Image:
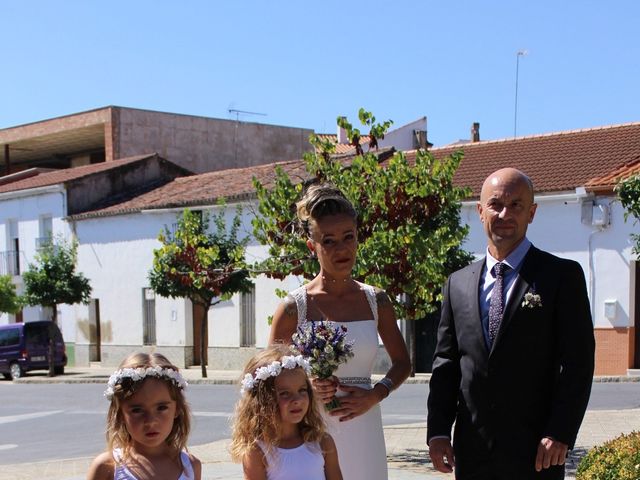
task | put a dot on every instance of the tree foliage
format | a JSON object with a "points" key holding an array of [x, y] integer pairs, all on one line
{"points": [[617, 459], [205, 267], [628, 191], [9, 299], [409, 228], [53, 279]]}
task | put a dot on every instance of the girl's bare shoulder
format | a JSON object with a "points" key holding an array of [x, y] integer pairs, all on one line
{"points": [[102, 467], [326, 443], [196, 464]]}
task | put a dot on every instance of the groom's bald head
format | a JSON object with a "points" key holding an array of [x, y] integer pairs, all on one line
{"points": [[511, 177], [506, 209]]}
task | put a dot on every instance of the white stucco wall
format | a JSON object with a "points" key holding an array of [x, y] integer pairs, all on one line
{"points": [[116, 254], [26, 208], [403, 138]]}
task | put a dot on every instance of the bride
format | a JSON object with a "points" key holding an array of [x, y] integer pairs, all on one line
{"points": [[329, 221]]}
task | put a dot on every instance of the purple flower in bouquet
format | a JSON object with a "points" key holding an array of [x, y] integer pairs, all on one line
{"points": [[325, 346]]}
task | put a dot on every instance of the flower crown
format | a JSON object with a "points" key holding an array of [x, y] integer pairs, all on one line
{"points": [[139, 374], [273, 370]]}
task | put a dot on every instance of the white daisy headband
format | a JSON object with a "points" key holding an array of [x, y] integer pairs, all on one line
{"points": [[138, 374], [273, 370]]}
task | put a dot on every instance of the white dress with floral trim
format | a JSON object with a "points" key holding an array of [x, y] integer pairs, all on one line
{"points": [[360, 441]]}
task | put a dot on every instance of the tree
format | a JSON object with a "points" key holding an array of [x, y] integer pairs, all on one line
{"points": [[9, 299], [205, 267], [409, 218], [53, 280], [628, 191]]}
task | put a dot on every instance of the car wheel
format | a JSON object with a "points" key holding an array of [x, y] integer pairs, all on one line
{"points": [[7, 376], [59, 370], [15, 370]]}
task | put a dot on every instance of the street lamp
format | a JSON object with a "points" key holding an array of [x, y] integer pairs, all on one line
{"points": [[519, 53]]}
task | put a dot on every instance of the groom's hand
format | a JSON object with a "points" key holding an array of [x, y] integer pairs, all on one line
{"points": [[550, 452], [439, 450]]}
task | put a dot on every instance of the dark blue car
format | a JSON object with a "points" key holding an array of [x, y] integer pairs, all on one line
{"points": [[25, 347]]}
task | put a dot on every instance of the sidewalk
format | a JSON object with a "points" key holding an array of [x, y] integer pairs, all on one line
{"points": [[406, 450]]}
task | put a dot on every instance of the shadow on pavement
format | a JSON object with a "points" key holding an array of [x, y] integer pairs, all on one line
{"points": [[573, 460]]}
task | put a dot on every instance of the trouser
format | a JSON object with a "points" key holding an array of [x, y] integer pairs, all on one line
{"points": [[495, 472]]}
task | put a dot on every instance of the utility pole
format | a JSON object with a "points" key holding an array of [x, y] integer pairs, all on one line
{"points": [[519, 53]]}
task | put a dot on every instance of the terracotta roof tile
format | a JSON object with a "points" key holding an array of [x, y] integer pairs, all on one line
{"points": [[606, 183], [207, 188], [65, 175], [555, 162], [203, 189], [342, 148]]}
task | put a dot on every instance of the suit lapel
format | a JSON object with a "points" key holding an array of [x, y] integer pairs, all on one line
{"points": [[473, 295], [520, 287]]}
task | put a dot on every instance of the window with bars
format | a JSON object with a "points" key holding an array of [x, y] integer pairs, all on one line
{"points": [[248, 318], [45, 231], [13, 249]]}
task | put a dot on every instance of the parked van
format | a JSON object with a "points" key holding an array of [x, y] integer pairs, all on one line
{"points": [[25, 347]]}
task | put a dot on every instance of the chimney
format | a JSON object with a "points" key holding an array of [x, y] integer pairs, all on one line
{"points": [[342, 135], [475, 132], [420, 140]]}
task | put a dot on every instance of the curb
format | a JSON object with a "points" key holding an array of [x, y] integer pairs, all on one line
{"points": [[88, 377]]}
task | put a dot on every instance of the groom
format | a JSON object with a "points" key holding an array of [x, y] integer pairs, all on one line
{"points": [[514, 360]]}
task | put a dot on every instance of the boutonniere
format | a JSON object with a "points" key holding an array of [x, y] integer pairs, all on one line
{"points": [[531, 299]]}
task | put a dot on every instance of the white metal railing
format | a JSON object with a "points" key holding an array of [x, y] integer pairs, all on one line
{"points": [[10, 262]]}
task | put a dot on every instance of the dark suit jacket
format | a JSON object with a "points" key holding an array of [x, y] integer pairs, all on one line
{"points": [[535, 381]]}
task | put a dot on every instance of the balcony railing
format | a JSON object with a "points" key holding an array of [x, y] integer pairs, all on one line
{"points": [[10, 262]]}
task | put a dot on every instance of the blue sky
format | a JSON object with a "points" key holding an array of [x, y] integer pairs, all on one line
{"points": [[303, 63]]}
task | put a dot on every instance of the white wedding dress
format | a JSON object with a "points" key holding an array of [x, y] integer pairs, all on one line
{"points": [[360, 441]]}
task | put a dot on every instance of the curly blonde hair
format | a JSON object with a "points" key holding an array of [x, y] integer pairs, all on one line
{"points": [[256, 416], [117, 434], [321, 200]]}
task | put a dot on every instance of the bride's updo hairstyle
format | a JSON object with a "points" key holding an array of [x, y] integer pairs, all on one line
{"points": [[322, 200]]}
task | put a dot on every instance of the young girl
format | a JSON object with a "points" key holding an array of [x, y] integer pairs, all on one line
{"points": [[278, 433], [147, 423]]}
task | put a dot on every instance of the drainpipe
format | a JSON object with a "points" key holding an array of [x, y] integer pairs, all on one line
{"points": [[592, 281], [606, 215]]}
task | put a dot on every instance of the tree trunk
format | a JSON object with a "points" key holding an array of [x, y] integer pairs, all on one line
{"points": [[203, 340], [411, 330], [52, 344]]}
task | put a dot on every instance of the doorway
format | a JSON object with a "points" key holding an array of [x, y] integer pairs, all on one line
{"points": [[94, 330], [426, 333]]}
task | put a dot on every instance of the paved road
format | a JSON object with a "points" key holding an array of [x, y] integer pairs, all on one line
{"points": [[67, 420]]}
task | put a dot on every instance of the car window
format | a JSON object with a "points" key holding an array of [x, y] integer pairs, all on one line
{"points": [[9, 337], [36, 335]]}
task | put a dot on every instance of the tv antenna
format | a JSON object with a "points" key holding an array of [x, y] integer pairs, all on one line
{"points": [[244, 112]]}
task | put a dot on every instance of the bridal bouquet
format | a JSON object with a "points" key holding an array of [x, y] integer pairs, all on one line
{"points": [[325, 346]]}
